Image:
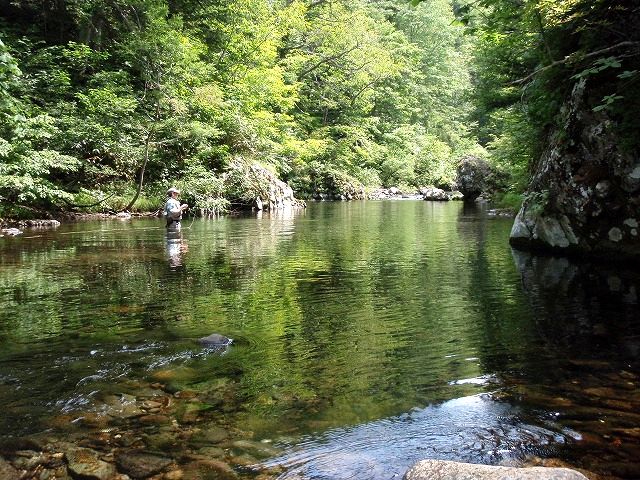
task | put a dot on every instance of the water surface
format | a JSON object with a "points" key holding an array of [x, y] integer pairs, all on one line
{"points": [[367, 335]]}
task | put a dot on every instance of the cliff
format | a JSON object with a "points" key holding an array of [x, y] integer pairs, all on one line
{"points": [[584, 197]]}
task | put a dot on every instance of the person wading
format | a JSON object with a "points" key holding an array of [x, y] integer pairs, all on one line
{"points": [[173, 210]]}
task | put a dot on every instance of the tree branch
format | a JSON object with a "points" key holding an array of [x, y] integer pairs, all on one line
{"points": [[574, 57], [327, 59]]}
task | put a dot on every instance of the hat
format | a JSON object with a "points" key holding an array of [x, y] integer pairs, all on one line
{"points": [[172, 190]]}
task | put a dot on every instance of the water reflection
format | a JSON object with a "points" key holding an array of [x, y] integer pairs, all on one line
{"points": [[353, 321], [583, 308], [176, 247]]}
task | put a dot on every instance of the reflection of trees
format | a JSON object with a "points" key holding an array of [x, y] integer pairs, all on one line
{"points": [[492, 286], [348, 314]]}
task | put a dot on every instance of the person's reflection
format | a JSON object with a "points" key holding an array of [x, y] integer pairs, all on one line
{"points": [[176, 248]]}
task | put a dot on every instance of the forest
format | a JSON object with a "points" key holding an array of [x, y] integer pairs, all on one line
{"points": [[106, 103]]}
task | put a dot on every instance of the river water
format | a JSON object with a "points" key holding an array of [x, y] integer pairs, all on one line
{"points": [[366, 336]]}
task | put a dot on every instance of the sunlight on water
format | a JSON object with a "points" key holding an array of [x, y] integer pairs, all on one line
{"points": [[475, 429]]}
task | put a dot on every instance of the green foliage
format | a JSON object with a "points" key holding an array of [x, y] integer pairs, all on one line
{"points": [[331, 96], [509, 200], [530, 56], [205, 192]]}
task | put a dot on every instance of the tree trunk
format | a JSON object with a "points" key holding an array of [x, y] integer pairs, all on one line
{"points": [[142, 169]]}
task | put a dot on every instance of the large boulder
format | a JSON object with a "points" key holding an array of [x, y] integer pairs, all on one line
{"points": [[434, 194], [585, 193], [447, 470], [251, 184], [472, 176]]}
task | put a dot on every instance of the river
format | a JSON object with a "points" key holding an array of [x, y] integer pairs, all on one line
{"points": [[366, 336]]}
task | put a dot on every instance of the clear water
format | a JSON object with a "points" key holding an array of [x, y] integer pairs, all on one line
{"points": [[367, 336]]}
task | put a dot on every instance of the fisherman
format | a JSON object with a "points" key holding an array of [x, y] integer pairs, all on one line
{"points": [[173, 210]]}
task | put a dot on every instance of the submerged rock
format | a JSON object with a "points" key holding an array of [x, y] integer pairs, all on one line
{"points": [[447, 470], [141, 465], [85, 463], [7, 471], [215, 340], [209, 468]]}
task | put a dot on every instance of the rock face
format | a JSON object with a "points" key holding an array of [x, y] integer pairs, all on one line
{"points": [[472, 176], [585, 193], [254, 185], [446, 470]]}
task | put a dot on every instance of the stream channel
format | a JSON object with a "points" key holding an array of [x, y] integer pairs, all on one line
{"points": [[366, 336]]}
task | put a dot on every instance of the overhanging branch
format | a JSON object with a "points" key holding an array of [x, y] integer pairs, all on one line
{"points": [[574, 57]]}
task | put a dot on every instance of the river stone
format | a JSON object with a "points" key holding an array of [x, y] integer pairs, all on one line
{"points": [[447, 470], [209, 469], [615, 234], [256, 449], [215, 340], [7, 472], [209, 435], [434, 194], [141, 465], [84, 463]]}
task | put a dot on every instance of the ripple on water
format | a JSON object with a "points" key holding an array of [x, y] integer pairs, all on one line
{"points": [[473, 429]]}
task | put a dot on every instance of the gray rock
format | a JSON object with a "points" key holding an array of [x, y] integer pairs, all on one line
{"points": [[615, 234], [40, 223], [85, 463], [472, 176], [631, 182], [522, 227], [434, 194], [550, 231], [602, 188], [547, 230], [215, 340], [141, 465], [447, 470]]}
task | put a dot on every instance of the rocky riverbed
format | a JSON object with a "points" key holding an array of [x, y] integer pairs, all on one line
{"points": [[157, 433]]}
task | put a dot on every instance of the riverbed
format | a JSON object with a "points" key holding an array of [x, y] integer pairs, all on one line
{"points": [[366, 336]]}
